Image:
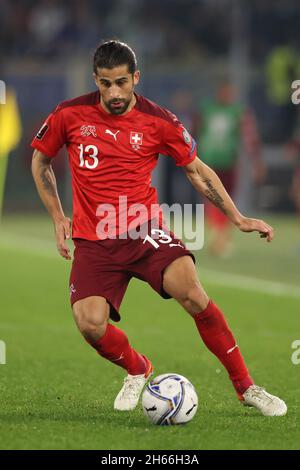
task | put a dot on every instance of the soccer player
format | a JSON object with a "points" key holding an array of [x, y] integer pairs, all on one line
{"points": [[223, 124], [292, 153], [114, 137]]}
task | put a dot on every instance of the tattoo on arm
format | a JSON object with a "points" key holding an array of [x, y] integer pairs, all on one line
{"points": [[212, 194], [48, 179]]}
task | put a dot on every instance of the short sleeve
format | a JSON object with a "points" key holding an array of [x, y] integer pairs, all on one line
{"points": [[51, 136], [178, 143]]}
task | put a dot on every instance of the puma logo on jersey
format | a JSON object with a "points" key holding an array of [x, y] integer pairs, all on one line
{"points": [[107, 131]]}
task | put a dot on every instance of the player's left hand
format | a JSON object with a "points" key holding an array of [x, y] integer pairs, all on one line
{"points": [[256, 225]]}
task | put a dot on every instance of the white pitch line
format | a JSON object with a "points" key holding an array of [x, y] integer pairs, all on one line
{"points": [[238, 281], [46, 248]]}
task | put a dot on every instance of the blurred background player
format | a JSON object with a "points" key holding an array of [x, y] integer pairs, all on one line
{"points": [[292, 153], [223, 124], [176, 187]]}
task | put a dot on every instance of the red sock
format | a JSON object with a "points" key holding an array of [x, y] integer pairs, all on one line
{"points": [[217, 336], [115, 347]]}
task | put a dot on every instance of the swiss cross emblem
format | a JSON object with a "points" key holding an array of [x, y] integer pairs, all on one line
{"points": [[136, 139]]}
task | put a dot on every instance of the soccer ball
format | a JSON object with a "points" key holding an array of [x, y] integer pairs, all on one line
{"points": [[170, 399]]}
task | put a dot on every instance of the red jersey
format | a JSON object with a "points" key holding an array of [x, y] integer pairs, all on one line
{"points": [[112, 156]]}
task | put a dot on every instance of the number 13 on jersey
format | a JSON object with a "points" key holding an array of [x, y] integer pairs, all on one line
{"points": [[86, 153]]}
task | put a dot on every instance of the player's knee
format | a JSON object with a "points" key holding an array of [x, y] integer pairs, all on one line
{"points": [[195, 298], [91, 321], [91, 330]]}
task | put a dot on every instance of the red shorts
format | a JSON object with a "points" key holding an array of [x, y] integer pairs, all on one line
{"points": [[105, 267]]}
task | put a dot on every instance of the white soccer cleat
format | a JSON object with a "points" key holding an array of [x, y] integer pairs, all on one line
{"points": [[267, 404], [128, 397]]}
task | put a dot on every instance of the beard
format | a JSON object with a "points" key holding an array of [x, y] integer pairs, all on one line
{"points": [[116, 106]]}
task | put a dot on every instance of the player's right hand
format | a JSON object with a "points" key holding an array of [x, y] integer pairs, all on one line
{"points": [[63, 233]]}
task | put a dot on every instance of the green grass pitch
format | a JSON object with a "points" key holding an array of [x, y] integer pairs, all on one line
{"points": [[57, 393]]}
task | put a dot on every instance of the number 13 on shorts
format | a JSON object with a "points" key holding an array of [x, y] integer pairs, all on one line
{"points": [[162, 238]]}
